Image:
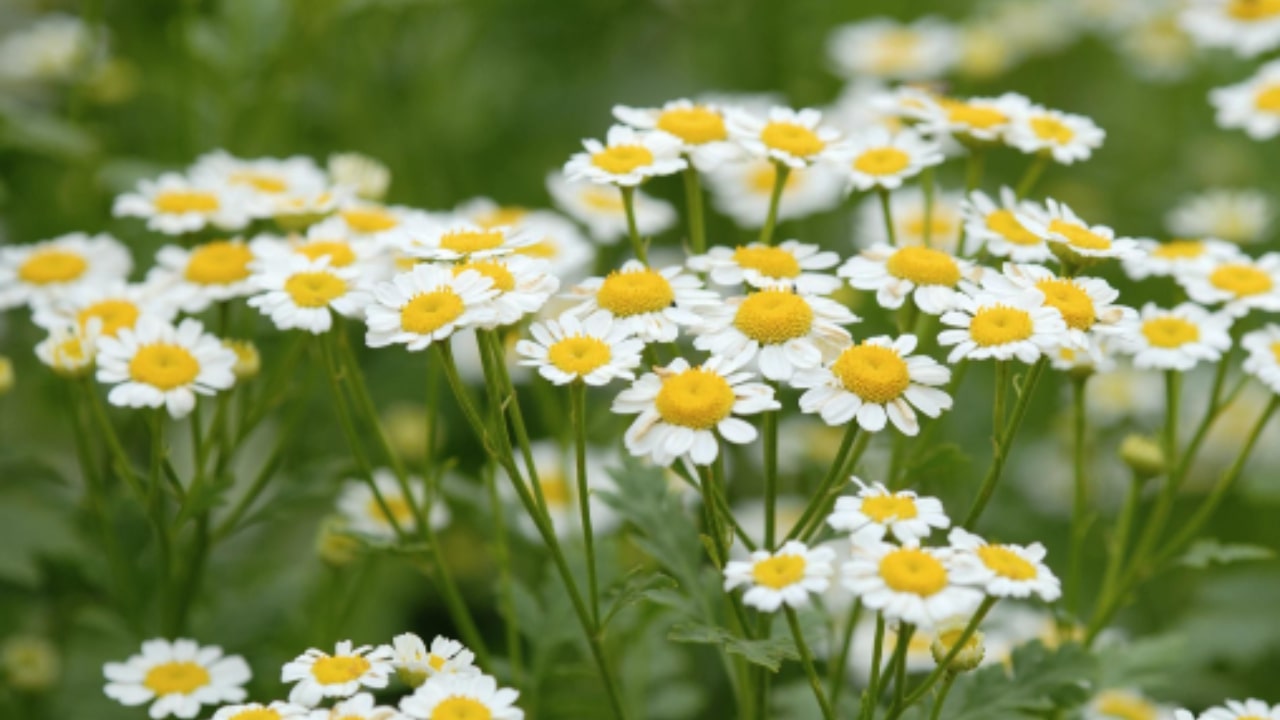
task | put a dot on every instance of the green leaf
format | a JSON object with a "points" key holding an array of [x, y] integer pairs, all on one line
{"points": [[659, 518], [1211, 552], [640, 584], [1145, 662], [767, 653], [1040, 681]]}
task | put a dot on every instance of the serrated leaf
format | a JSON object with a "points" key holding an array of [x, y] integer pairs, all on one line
{"points": [[1211, 552], [767, 653], [1039, 681], [639, 585]]}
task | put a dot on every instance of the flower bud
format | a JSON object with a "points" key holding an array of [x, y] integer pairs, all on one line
{"points": [[248, 362], [29, 663], [969, 657], [368, 177], [1143, 455], [6, 374], [407, 427], [334, 546]]}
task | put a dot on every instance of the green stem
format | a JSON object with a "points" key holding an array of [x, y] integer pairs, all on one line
{"points": [[1002, 445], [770, 474], [1119, 543], [831, 485], [781, 172], [826, 502], [628, 205], [1080, 506], [888, 217], [578, 418], [120, 459], [1032, 174], [839, 670], [973, 169], [156, 509], [942, 696], [1002, 398], [693, 200], [872, 693], [938, 672], [928, 181], [806, 659], [899, 662], [502, 553]]}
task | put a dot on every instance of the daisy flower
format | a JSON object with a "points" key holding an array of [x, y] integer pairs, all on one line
{"points": [[909, 584], [320, 675], [55, 47], [454, 240], [427, 304], [601, 210], [156, 364], [212, 272], [69, 350], [1241, 285], [1242, 710], [700, 128], [594, 349], [1003, 570], [257, 711], [1263, 346], [1087, 304], [686, 411], [877, 158], [875, 382], [48, 269], [1117, 704], [1242, 217], [550, 236], [269, 178], [627, 157], [742, 190], [359, 707], [377, 224], [523, 286], [177, 678], [330, 238], [929, 276], [907, 209], [1002, 327], [366, 176], [649, 303], [445, 656], [877, 511], [1250, 27], [365, 516], [790, 262], [1178, 339], [1178, 257], [997, 228], [888, 49], [108, 306], [1066, 137], [784, 331], [981, 119], [795, 138], [786, 577], [557, 481], [174, 205], [302, 294], [462, 696], [1072, 237], [1253, 105]]}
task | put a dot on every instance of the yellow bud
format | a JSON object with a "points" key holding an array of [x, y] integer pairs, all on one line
{"points": [[1143, 455], [248, 362], [334, 546], [407, 426], [969, 657]]}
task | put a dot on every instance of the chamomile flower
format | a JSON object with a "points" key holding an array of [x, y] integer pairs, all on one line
{"points": [[997, 228], [601, 210], [414, 662], [1240, 285], [269, 178], [1072, 238], [453, 240], [366, 515], [211, 272], [885, 48], [302, 294], [594, 349], [427, 304], [789, 263], [627, 157], [686, 411], [257, 711], [177, 678], [359, 707], [366, 176], [782, 330], [1263, 362], [69, 350], [320, 675], [523, 286], [1064, 136], [111, 306], [1250, 709], [1178, 339], [1119, 704], [1249, 27], [55, 47], [1178, 257], [1087, 304], [649, 303], [174, 204], [378, 224], [911, 221], [700, 128], [742, 190], [1242, 217], [909, 583], [878, 158], [558, 484], [1002, 327], [876, 382], [877, 511], [155, 364], [1253, 105], [930, 277], [975, 119], [796, 138], [785, 577], [549, 235], [329, 238], [455, 697], [49, 269], [1003, 570]]}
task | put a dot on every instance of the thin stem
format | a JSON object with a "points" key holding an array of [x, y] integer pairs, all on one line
{"points": [[872, 693], [973, 169], [693, 200], [1001, 399], [942, 696], [578, 418], [825, 502], [502, 553], [124, 468], [1032, 174], [832, 484], [156, 508], [781, 172], [942, 669], [888, 217], [628, 204], [839, 669], [770, 474], [1120, 540], [899, 662], [1002, 445], [1080, 506], [928, 181], [806, 659]]}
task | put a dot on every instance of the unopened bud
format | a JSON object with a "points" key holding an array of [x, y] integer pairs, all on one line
{"points": [[334, 545], [970, 655], [366, 176], [1143, 455], [29, 663], [248, 362]]}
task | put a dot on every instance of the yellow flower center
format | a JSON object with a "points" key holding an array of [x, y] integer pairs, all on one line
{"points": [[399, 507], [948, 639], [314, 289], [1123, 706], [501, 216], [982, 117], [502, 278], [256, 714], [894, 50], [1069, 299], [763, 178], [882, 161], [368, 219], [469, 241], [1079, 236], [770, 262], [911, 570], [1179, 250], [436, 662], [999, 325], [791, 138], [1268, 99], [177, 202], [1241, 280], [579, 355], [545, 249], [430, 311], [884, 508], [461, 708], [695, 398], [44, 267], [1006, 563], [261, 182], [874, 373], [339, 669], [1052, 129], [635, 292], [1275, 351], [164, 365], [695, 125], [924, 266], [942, 224], [772, 317], [70, 353], [1170, 332], [1251, 10], [779, 571], [114, 315], [556, 490], [176, 677], [622, 159], [339, 253], [1006, 224], [598, 198], [221, 262]]}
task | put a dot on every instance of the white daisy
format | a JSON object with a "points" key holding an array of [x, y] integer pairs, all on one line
{"points": [[297, 293], [365, 516], [1065, 136], [49, 269], [212, 272], [550, 236], [330, 238], [257, 711], [1263, 346], [359, 707], [785, 577], [981, 119], [788, 263], [909, 583], [1241, 285], [366, 176], [523, 283], [1087, 304], [69, 350], [110, 306], [269, 178], [1004, 327], [649, 303], [782, 330], [1122, 704], [1177, 257], [377, 224], [1071, 237], [1250, 709], [931, 277], [427, 304], [885, 48], [177, 678], [1253, 105], [557, 479], [320, 675], [877, 158], [156, 364], [1242, 217], [700, 128], [174, 205], [453, 239], [997, 228], [876, 512], [742, 190], [462, 697], [55, 47], [627, 157], [795, 138], [1250, 27], [1178, 339], [907, 208], [686, 411], [445, 656], [601, 210], [1002, 570], [594, 349], [863, 103]]}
